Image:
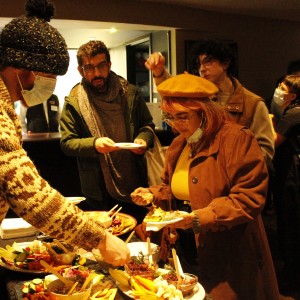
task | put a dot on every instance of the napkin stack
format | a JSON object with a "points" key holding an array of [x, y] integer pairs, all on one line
{"points": [[16, 227]]}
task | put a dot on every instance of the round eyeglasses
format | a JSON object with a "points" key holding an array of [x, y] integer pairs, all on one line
{"points": [[178, 120], [91, 69]]}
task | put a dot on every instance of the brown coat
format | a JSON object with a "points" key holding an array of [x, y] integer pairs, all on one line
{"points": [[228, 183], [249, 110]]}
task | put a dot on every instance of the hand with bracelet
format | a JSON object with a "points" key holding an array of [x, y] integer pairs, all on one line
{"points": [[190, 220]]}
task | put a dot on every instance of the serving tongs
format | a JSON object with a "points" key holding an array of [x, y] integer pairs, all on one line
{"points": [[115, 213], [72, 289], [178, 268], [49, 248], [112, 209], [150, 257], [68, 283], [61, 246], [87, 281]]}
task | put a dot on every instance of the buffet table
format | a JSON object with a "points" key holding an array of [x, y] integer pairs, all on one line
{"points": [[62, 173], [11, 281]]}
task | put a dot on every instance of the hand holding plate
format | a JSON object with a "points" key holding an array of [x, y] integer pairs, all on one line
{"points": [[143, 147], [105, 145], [185, 223]]}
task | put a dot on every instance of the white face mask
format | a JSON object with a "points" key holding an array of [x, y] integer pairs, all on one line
{"points": [[42, 89], [196, 136], [278, 96]]}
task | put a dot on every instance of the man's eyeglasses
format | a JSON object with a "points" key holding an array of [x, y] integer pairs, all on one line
{"points": [[91, 69], [178, 120]]}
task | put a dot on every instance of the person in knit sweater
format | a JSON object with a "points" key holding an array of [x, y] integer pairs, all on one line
{"points": [[32, 54]]}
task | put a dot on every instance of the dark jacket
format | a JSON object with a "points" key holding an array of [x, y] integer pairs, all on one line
{"points": [[36, 118], [286, 187], [77, 141]]}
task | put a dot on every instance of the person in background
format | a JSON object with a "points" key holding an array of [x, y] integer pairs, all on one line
{"points": [[217, 168], [216, 63], [43, 117], [275, 108], [286, 187], [100, 111], [32, 55]]}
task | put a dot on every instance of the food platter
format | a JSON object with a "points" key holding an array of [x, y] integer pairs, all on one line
{"points": [[22, 245], [127, 222], [128, 145], [16, 269], [26, 257], [18, 286], [197, 294]]}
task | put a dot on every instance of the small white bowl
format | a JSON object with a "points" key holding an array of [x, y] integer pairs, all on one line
{"points": [[52, 286], [104, 219], [188, 284], [136, 248]]}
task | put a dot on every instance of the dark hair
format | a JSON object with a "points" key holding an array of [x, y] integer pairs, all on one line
{"points": [[293, 67], [293, 83], [91, 49], [215, 49]]}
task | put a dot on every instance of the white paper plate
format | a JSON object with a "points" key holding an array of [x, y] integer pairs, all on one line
{"points": [[75, 200], [166, 222], [128, 145]]}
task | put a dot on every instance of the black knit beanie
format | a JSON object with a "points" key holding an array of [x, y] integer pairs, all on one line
{"points": [[29, 42]]}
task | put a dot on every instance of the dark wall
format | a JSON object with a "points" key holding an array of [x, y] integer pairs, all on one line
{"points": [[265, 46]]}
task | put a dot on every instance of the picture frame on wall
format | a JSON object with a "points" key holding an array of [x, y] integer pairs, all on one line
{"points": [[192, 48]]}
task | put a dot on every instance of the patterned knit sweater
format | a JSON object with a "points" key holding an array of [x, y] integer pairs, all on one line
{"points": [[29, 195]]}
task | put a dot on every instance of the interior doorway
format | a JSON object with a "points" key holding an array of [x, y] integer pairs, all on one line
{"points": [[137, 74]]}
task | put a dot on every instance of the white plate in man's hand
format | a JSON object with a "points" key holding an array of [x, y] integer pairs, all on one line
{"points": [[128, 145]]}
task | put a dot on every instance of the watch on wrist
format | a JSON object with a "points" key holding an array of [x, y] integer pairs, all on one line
{"points": [[196, 223]]}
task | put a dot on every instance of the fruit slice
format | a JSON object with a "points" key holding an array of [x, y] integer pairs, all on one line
{"points": [[120, 276]]}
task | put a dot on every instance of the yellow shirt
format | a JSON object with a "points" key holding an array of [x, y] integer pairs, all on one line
{"points": [[180, 182]]}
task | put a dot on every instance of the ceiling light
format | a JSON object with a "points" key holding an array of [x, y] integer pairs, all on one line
{"points": [[113, 30]]}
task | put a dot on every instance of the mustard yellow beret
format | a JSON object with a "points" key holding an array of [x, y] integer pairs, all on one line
{"points": [[187, 86]]}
